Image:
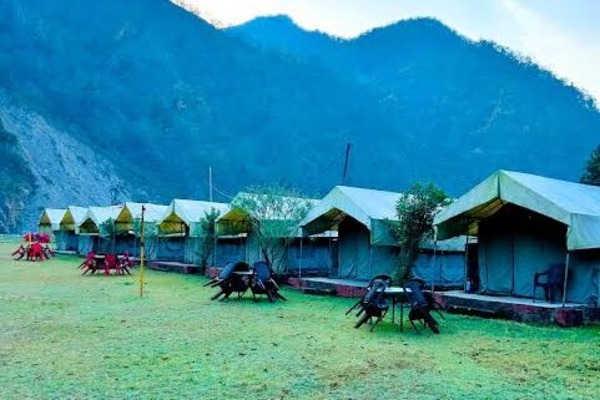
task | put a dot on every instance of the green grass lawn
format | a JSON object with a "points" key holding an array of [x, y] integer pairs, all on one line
{"points": [[67, 336]]}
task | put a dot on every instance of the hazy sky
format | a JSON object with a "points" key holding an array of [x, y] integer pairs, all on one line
{"points": [[561, 35]]}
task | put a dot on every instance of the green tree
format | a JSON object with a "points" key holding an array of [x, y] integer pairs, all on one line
{"points": [[273, 215], [591, 175], [209, 235], [107, 230], [415, 211]]}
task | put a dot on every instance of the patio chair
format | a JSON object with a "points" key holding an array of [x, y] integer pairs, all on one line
{"points": [[431, 301], [35, 252], [373, 304], [230, 282], [89, 263], [262, 282], [127, 261], [385, 278], [86, 261], [111, 261], [20, 252], [48, 252], [553, 282], [420, 307], [223, 274]]}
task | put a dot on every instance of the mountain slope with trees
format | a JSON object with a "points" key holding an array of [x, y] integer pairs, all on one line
{"points": [[162, 95]]}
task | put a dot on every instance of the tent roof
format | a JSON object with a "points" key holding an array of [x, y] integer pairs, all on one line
{"points": [[153, 212], [573, 204], [364, 205], [74, 216], [190, 211], [98, 215], [52, 216]]}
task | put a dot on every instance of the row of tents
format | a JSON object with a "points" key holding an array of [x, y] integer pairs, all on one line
{"points": [[345, 235], [493, 239]]}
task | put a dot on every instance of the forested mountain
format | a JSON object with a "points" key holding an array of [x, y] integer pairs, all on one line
{"points": [[158, 95], [465, 107]]}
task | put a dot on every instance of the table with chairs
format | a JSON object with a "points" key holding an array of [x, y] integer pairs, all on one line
{"points": [[240, 277], [110, 263], [374, 304]]}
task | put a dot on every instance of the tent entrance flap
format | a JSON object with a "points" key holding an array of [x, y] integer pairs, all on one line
{"points": [[515, 244]]}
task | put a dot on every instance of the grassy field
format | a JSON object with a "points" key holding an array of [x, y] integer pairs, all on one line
{"points": [[67, 336]]}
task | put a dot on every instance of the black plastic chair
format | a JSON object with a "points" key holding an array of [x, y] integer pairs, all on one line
{"points": [[420, 308], [263, 282], [431, 301], [384, 278], [553, 282], [229, 282], [373, 304], [225, 273]]}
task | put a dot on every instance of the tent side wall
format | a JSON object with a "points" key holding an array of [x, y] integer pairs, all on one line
{"points": [[87, 243], [516, 243], [230, 250], [170, 248], [45, 228], [584, 274], [448, 271], [313, 254], [357, 258], [66, 240], [61, 240]]}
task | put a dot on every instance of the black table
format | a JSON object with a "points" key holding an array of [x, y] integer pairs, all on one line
{"points": [[398, 296]]}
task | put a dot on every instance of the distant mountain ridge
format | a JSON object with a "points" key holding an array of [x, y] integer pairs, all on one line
{"points": [[160, 95], [455, 100]]}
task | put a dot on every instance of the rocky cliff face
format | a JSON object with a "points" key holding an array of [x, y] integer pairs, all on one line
{"points": [[58, 170]]}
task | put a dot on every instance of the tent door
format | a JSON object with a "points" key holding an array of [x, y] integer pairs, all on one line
{"points": [[472, 261]]}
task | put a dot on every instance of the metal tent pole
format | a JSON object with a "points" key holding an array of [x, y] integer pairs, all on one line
{"points": [[564, 299], [214, 252], [301, 255], [433, 266], [466, 269], [142, 253]]}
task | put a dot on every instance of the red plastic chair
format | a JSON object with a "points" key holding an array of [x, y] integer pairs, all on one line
{"points": [[44, 238], [89, 263], [128, 262], [48, 252], [20, 252], [111, 262], [36, 252]]}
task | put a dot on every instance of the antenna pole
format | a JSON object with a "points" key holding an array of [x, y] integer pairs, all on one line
{"points": [[346, 163], [210, 185]]}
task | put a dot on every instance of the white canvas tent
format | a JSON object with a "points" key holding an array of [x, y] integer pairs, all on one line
{"points": [[180, 232], [97, 229], [50, 220], [366, 247], [525, 222], [67, 237], [128, 228]]}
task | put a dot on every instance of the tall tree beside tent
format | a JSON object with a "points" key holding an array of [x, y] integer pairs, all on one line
{"points": [[209, 235], [273, 215], [415, 210], [591, 175]]}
